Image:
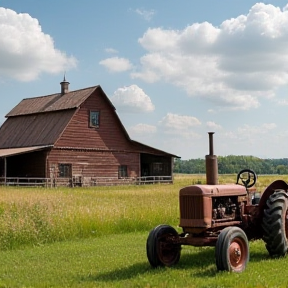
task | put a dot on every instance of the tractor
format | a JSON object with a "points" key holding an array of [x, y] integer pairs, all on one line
{"points": [[226, 216]]}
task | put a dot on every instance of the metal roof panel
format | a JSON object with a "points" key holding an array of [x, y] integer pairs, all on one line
{"points": [[51, 103]]}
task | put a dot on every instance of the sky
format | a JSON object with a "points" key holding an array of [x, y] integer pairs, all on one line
{"points": [[174, 69]]}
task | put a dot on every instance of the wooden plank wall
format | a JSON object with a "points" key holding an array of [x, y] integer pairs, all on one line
{"points": [[93, 163]]}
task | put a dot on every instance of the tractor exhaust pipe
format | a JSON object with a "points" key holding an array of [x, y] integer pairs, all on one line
{"points": [[211, 163]]}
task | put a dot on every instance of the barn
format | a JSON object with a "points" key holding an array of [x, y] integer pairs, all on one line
{"points": [[75, 138]]}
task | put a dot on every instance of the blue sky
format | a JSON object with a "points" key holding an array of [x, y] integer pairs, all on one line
{"points": [[174, 70]]}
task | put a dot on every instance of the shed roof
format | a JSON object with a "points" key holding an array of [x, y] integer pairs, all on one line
{"points": [[143, 148], [22, 150]]}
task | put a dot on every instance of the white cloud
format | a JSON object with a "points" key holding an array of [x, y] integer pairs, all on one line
{"points": [[251, 132], [146, 14], [116, 64], [111, 50], [132, 99], [233, 66], [213, 126], [249, 139], [254, 130], [269, 126], [179, 122], [143, 129], [182, 134], [25, 51]]}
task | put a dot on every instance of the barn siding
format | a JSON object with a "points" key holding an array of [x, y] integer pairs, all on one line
{"points": [[93, 163]]}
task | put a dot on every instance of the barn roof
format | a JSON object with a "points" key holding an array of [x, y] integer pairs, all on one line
{"points": [[39, 121], [34, 129], [54, 102]]}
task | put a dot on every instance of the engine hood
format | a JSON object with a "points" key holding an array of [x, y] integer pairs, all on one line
{"points": [[214, 190]]}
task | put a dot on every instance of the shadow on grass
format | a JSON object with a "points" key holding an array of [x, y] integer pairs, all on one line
{"points": [[187, 261], [259, 256], [120, 273], [203, 261]]}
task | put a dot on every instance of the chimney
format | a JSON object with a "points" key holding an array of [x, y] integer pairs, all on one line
{"points": [[211, 163], [64, 86]]}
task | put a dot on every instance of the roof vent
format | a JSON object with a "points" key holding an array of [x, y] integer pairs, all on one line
{"points": [[64, 86]]}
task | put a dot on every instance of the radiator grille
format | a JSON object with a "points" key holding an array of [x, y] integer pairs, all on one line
{"points": [[191, 207]]}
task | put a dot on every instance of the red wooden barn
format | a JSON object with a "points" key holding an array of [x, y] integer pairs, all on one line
{"points": [[75, 138]]}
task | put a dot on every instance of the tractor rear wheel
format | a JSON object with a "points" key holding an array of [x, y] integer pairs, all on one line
{"points": [[275, 224], [160, 247], [232, 250]]}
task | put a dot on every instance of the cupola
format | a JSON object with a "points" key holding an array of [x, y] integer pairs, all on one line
{"points": [[64, 86]]}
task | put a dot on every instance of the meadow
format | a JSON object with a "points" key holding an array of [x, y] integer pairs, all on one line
{"points": [[96, 237]]}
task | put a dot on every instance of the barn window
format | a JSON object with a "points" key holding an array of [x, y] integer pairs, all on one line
{"points": [[122, 171], [94, 119], [65, 170]]}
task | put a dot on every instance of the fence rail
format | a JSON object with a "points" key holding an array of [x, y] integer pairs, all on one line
{"points": [[154, 179], [25, 181], [83, 181]]}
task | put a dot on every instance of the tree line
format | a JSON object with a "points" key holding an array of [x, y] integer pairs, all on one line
{"points": [[233, 164]]}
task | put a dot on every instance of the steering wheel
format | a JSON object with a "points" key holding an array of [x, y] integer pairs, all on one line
{"points": [[248, 177]]}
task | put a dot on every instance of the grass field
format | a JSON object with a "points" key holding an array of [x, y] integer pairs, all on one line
{"points": [[120, 261], [96, 237]]}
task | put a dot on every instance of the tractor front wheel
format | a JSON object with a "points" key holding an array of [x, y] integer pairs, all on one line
{"points": [[275, 224], [161, 247], [232, 250]]}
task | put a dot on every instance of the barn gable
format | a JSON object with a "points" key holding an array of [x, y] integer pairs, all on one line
{"points": [[108, 134]]}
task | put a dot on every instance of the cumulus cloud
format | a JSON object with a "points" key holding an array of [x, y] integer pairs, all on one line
{"points": [[116, 64], [250, 139], [249, 132], [213, 126], [143, 129], [254, 130], [179, 122], [233, 66], [132, 99], [25, 50], [111, 50]]}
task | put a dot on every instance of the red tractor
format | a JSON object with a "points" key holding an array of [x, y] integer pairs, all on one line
{"points": [[224, 216]]}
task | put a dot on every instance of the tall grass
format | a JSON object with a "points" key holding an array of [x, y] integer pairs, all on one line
{"points": [[37, 216], [34, 216]]}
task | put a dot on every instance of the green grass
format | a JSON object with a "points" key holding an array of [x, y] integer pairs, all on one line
{"points": [[120, 261], [96, 237]]}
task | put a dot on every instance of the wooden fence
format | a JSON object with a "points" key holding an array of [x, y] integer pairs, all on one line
{"points": [[82, 181], [25, 181]]}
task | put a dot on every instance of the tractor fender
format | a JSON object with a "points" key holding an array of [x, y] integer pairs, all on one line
{"points": [[273, 187]]}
